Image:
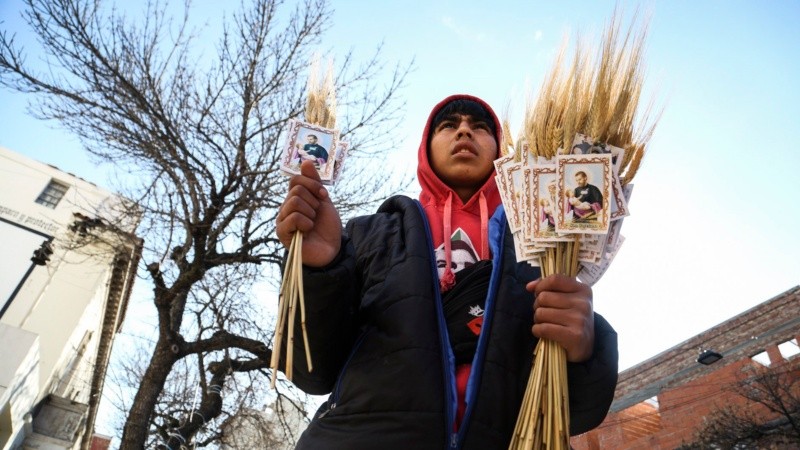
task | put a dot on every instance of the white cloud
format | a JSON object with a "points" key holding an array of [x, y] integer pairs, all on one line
{"points": [[537, 36]]}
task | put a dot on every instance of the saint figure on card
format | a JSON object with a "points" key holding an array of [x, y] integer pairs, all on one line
{"points": [[313, 151], [547, 205], [586, 200], [581, 148]]}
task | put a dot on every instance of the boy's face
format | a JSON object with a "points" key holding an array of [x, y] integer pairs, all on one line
{"points": [[462, 153]]}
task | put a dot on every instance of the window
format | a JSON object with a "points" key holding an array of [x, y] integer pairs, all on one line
{"points": [[52, 194], [652, 401], [762, 358], [789, 349]]}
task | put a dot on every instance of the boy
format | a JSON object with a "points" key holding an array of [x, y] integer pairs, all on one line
{"points": [[416, 355]]}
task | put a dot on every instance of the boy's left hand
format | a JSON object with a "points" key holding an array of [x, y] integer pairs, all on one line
{"points": [[563, 312]]}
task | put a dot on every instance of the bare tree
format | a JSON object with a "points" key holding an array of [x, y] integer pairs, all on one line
{"points": [[770, 417], [242, 401], [197, 140], [276, 428]]}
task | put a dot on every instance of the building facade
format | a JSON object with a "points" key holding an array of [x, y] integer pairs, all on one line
{"points": [[67, 272], [278, 427], [665, 401]]}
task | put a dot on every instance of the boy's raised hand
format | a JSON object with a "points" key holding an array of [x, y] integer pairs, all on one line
{"points": [[563, 312], [308, 208]]}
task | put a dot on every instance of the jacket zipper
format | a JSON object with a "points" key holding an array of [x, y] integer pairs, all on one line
{"points": [[331, 407], [334, 398], [448, 359], [476, 372]]}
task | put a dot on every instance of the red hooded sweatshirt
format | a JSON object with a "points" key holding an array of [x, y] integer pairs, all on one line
{"points": [[466, 224]]}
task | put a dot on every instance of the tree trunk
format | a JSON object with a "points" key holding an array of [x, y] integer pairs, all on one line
{"points": [[134, 436]]}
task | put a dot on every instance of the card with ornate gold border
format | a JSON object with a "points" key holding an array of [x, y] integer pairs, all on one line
{"points": [[305, 141], [584, 190]]}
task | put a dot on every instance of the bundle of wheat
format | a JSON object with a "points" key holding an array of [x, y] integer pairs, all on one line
{"points": [[320, 111], [586, 122]]}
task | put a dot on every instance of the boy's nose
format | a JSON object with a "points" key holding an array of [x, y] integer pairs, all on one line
{"points": [[464, 129]]}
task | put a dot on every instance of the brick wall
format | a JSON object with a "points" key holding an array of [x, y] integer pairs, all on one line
{"points": [[100, 442], [687, 391]]}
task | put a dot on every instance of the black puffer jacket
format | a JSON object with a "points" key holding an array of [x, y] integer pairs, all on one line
{"points": [[380, 345]]}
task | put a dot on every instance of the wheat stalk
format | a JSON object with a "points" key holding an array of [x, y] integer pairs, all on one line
{"points": [[320, 110], [597, 96], [543, 421]]}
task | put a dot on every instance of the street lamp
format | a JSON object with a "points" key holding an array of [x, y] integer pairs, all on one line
{"points": [[42, 254], [708, 356]]}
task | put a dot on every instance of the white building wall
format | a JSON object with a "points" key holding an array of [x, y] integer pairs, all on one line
{"points": [[68, 306], [277, 428], [62, 304], [76, 367], [19, 381]]}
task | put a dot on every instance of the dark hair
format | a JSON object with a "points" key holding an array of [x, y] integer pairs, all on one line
{"points": [[312, 135], [465, 107]]}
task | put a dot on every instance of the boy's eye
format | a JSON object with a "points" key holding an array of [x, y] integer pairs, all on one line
{"points": [[450, 123], [444, 126]]}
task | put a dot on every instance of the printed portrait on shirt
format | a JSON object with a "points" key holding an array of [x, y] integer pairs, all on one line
{"points": [[462, 251]]}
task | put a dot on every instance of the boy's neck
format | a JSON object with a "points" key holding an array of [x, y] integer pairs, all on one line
{"points": [[465, 193]]}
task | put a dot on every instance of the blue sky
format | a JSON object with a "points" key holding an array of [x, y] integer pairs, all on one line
{"points": [[712, 230], [714, 213]]}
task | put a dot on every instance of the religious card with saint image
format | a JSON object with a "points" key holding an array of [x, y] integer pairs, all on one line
{"points": [[619, 206], [514, 174], [586, 145], [591, 273], [526, 205], [626, 195], [591, 246], [500, 165], [519, 246], [583, 191], [338, 165], [308, 142], [544, 186]]}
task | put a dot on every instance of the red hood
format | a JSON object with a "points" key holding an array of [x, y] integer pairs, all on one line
{"points": [[434, 191], [445, 216]]}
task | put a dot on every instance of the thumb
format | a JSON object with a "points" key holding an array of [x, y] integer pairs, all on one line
{"points": [[307, 169], [531, 287]]}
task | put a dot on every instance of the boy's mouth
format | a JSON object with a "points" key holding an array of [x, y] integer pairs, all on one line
{"points": [[464, 148]]}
